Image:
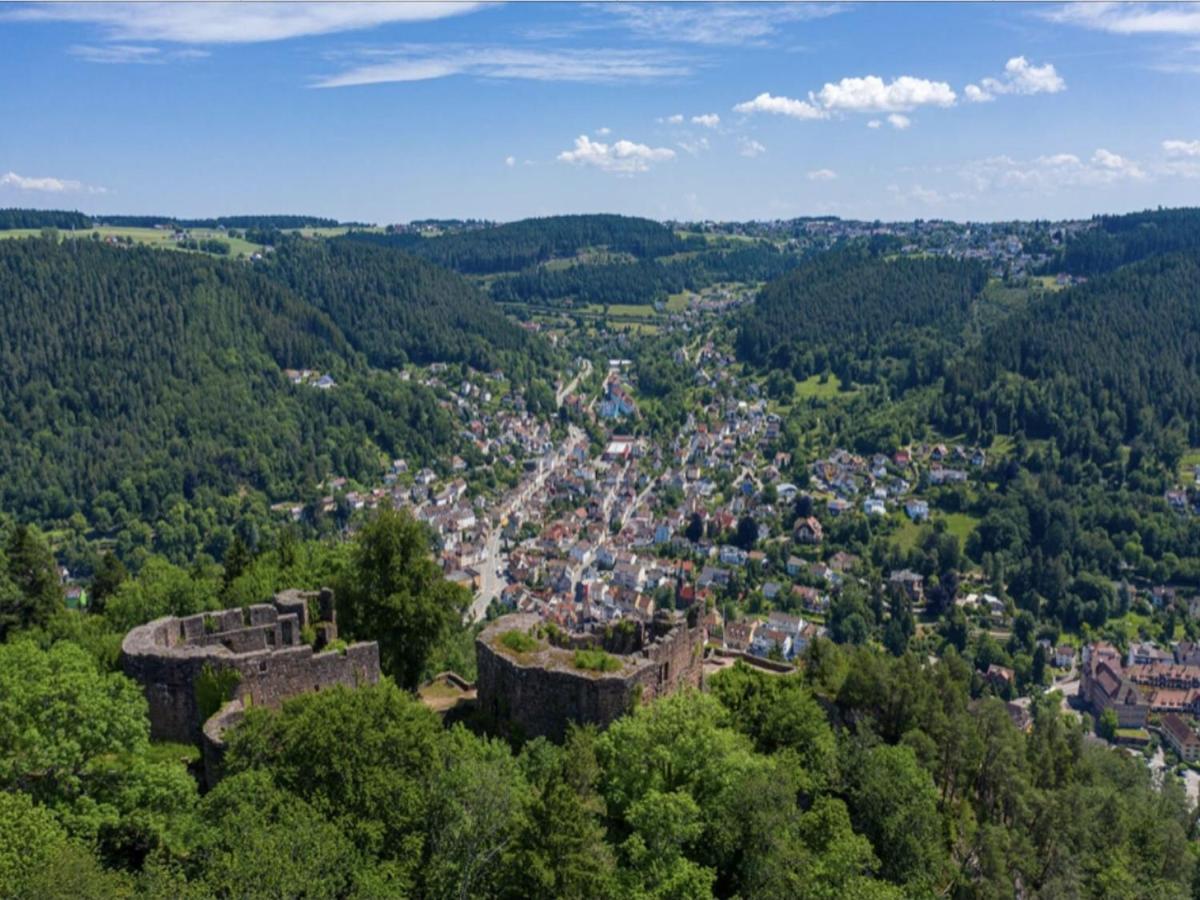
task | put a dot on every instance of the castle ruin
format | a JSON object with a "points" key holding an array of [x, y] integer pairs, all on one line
{"points": [[536, 683], [199, 673]]}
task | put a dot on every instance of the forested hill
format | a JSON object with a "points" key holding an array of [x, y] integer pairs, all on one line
{"points": [[395, 307], [518, 245], [42, 218], [1119, 240], [132, 378], [849, 306], [53, 218], [1100, 364]]}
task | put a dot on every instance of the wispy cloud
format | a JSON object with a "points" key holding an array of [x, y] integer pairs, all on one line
{"points": [[622, 157], [47, 184], [1131, 18], [421, 62], [750, 148], [708, 120], [140, 54], [1020, 77], [713, 23], [233, 23], [899, 122], [1050, 172], [1181, 148], [822, 175]]}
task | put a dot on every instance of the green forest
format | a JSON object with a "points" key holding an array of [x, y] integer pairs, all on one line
{"points": [[144, 391], [519, 245], [150, 416], [865, 776]]}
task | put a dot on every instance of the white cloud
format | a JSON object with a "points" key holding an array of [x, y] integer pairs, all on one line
{"points": [[234, 23], [694, 148], [922, 196], [46, 184], [421, 62], [622, 157], [1051, 172], [873, 94], [1181, 148], [676, 119], [1131, 18], [898, 121], [870, 94], [510, 161], [603, 131], [822, 175], [874, 123], [1118, 165], [1020, 77], [975, 94], [783, 106], [750, 148], [708, 120], [132, 53], [713, 23]]}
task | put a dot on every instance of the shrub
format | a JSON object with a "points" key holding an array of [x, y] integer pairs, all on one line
{"points": [[214, 688], [596, 661], [518, 641]]}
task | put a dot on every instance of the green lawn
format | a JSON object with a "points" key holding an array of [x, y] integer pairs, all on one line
{"points": [[959, 524], [1186, 464], [677, 303], [635, 310], [812, 387], [150, 237], [908, 534], [1002, 445]]}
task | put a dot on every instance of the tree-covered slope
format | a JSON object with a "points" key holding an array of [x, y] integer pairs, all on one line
{"points": [[1119, 240], [1117, 357], [131, 379], [644, 280], [851, 306], [395, 307], [518, 245]]}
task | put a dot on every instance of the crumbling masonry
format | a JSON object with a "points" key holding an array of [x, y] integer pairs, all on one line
{"points": [[538, 692], [201, 672]]}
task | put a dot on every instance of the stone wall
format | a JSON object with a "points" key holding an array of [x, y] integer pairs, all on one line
{"points": [[262, 643], [539, 693]]}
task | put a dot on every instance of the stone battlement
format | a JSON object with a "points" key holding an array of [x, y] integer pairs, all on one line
{"points": [[533, 686], [190, 666]]}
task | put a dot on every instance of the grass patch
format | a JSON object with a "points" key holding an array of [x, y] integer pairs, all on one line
{"points": [[1187, 464], [961, 525], [1140, 735], [637, 310], [595, 661], [1002, 445], [678, 303], [518, 641], [169, 752], [813, 388], [907, 535]]}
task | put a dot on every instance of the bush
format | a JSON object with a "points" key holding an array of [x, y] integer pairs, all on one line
{"points": [[214, 688], [518, 641], [596, 661]]}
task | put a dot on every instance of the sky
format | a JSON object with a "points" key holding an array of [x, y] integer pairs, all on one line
{"points": [[384, 112]]}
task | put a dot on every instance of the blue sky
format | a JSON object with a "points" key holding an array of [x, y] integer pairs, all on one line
{"points": [[387, 113]]}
